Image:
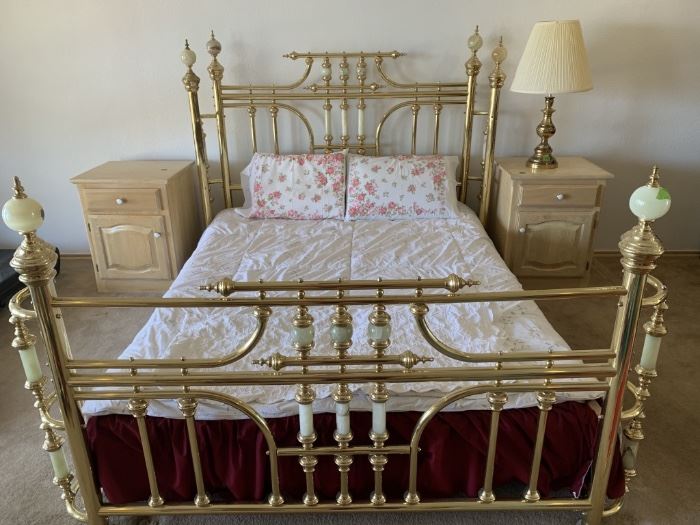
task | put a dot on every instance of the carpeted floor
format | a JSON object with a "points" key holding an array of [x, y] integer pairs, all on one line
{"points": [[665, 492]]}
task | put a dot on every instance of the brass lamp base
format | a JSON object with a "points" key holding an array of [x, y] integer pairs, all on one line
{"points": [[542, 158]]}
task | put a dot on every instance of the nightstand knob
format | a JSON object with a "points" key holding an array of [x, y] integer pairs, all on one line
{"points": [[522, 229], [560, 196], [120, 201], [157, 235]]}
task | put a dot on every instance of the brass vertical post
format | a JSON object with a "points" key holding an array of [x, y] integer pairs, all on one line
{"points": [[640, 248], [496, 80], [496, 400], [473, 66], [34, 261], [545, 400], [191, 82], [138, 408], [188, 407], [216, 73]]}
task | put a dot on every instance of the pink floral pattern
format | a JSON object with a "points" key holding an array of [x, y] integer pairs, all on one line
{"points": [[402, 186], [297, 186]]}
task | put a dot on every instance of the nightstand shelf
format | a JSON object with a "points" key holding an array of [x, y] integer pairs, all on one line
{"points": [[543, 222], [142, 223]]}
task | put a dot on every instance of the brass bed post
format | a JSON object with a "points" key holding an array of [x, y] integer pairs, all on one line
{"points": [[496, 80], [216, 73], [640, 248], [191, 82], [34, 261], [473, 66]]}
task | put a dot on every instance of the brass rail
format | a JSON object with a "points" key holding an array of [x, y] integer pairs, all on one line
{"points": [[329, 377], [481, 297]]}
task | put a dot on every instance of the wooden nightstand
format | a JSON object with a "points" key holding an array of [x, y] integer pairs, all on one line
{"points": [[142, 222], [543, 222]]}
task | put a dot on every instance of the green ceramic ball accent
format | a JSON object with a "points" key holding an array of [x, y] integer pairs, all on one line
{"points": [[650, 203]]}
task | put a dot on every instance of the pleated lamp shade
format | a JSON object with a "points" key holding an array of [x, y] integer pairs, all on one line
{"points": [[554, 61]]}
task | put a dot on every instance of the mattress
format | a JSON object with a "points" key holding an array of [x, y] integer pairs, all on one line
{"points": [[247, 250]]}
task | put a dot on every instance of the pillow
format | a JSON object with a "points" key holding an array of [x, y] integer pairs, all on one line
{"points": [[401, 187], [295, 186]]}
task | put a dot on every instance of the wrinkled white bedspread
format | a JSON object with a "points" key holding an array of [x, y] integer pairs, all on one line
{"points": [[248, 250]]}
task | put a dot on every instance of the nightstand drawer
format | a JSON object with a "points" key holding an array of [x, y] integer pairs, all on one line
{"points": [[560, 195], [122, 200]]}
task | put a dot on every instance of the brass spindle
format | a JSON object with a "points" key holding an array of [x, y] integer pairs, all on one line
{"points": [[273, 114], [379, 335], [496, 401], [341, 336], [415, 108], [303, 338], [138, 408], [327, 124], [361, 70], [344, 76], [437, 108], [188, 407], [253, 134], [473, 66], [655, 330], [545, 400]]}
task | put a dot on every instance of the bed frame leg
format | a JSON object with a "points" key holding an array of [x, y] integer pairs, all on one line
{"points": [[640, 248], [34, 261]]}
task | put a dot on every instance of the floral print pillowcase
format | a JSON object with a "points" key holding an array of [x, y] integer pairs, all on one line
{"points": [[401, 187], [295, 186]]}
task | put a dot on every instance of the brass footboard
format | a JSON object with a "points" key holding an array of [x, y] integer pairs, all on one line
{"points": [[188, 382]]}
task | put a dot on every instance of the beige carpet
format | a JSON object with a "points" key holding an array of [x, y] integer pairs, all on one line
{"points": [[664, 492]]}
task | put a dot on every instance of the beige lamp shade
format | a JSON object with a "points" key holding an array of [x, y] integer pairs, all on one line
{"points": [[554, 61]]}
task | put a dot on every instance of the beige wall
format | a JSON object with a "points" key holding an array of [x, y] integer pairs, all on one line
{"points": [[84, 82]]}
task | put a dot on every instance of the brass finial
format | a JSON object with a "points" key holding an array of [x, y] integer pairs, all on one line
{"points": [[212, 33], [476, 30], [18, 189], [187, 44], [654, 177]]}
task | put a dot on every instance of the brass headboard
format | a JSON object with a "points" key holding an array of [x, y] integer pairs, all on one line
{"points": [[359, 91]]}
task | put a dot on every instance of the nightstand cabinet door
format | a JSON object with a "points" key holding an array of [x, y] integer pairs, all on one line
{"points": [[554, 243], [130, 247]]}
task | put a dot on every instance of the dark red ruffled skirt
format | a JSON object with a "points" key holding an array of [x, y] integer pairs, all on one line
{"points": [[451, 462]]}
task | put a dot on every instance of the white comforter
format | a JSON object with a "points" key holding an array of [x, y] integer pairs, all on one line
{"points": [[247, 250]]}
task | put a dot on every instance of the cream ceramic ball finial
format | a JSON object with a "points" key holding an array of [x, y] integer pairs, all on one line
{"points": [[475, 41], [213, 46], [21, 213], [188, 56], [651, 201]]}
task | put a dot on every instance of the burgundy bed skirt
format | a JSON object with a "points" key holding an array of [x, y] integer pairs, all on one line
{"points": [[451, 462]]}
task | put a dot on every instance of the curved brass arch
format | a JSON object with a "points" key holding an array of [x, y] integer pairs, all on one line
{"points": [[16, 308], [283, 87], [419, 311], [415, 85], [281, 105], [428, 415], [226, 399], [262, 313], [660, 295]]}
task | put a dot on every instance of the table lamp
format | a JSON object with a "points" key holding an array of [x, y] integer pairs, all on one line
{"points": [[554, 62]]}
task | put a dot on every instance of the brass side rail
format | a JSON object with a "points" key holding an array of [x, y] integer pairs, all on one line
{"points": [[481, 297], [331, 377]]}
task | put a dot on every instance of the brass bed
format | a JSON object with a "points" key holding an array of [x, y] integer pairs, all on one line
{"points": [[191, 381]]}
